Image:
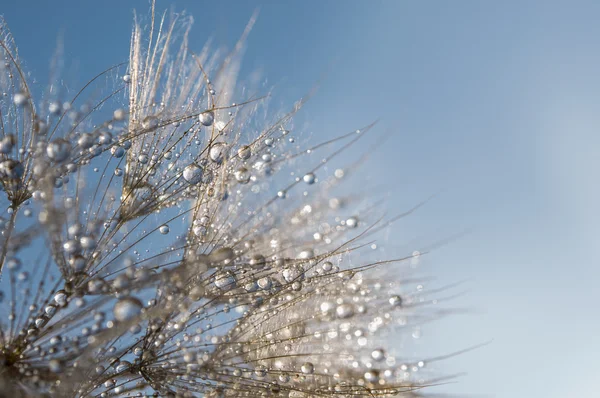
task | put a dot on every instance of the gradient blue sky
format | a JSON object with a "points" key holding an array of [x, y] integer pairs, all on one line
{"points": [[495, 103]]}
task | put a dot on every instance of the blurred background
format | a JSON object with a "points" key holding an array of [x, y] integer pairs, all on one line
{"points": [[492, 105]]}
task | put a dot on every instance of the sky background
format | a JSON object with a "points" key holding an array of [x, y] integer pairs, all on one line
{"points": [[493, 104]]}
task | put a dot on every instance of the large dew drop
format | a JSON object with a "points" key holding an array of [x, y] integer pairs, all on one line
{"points": [[245, 152], [193, 174], [242, 175], [206, 118], [58, 150], [217, 152], [127, 308], [307, 368]]}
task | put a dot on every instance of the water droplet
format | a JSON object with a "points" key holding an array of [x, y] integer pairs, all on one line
{"points": [[13, 263], [164, 229], [245, 152], [58, 150], [60, 298], [20, 99], [206, 118], [217, 152], [344, 311], [119, 114], [78, 263], [309, 178], [242, 175], [193, 174], [122, 366], [352, 222], [257, 261], [265, 283], [127, 308], [222, 255], [11, 169], [117, 151], [225, 281], [378, 354], [55, 366], [54, 108], [395, 300], [307, 368], [260, 371], [150, 122], [293, 273]]}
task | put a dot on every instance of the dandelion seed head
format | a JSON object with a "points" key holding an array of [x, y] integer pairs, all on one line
{"points": [[145, 249]]}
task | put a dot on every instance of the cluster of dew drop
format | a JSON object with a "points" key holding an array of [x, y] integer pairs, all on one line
{"points": [[184, 248]]}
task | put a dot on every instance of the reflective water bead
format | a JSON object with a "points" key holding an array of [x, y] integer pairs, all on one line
{"points": [[58, 150], [245, 152], [78, 263], [86, 140], [54, 108], [150, 122], [352, 222], [20, 99], [11, 169], [117, 151], [193, 174], [119, 114], [127, 308], [217, 152], [222, 255], [395, 300], [378, 354], [265, 283], [344, 311], [87, 242], [225, 281], [122, 366], [60, 298], [164, 229], [257, 261], [13, 263], [260, 371], [307, 368], [242, 175], [309, 178], [206, 118]]}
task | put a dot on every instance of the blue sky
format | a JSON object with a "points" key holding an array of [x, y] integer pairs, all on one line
{"points": [[493, 103]]}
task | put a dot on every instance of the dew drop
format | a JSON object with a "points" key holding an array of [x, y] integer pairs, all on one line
{"points": [[217, 152], [164, 229], [58, 150], [193, 174], [127, 308], [344, 311], [352, 222], [307, 368], [378, 354], [395, 301], [309, 178], [242, 175], [245, 152], [206, 118]]}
